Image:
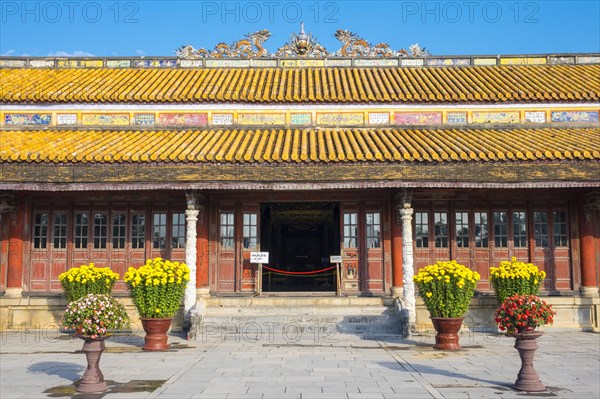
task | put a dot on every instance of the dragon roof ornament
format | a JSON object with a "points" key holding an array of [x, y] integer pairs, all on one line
{"points": [[300, 45]]}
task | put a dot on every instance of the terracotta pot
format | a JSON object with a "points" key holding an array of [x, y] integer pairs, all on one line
{"points": [[447, 329], [92, 380], [156, 333], [528, 379]]}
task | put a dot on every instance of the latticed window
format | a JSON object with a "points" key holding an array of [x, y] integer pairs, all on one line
{"points": [[519, 221], [250, 230], [441, 229], [227, 231], [540, 228], [462, 229], [373, 229], [500, 230], [421, 229], [178, 230], [138, 230], [481, 229], [82, 223], [119, 228], [351, 230], [100, 230], [159, 230], [40, 230], [59, 230], [559, 219]]}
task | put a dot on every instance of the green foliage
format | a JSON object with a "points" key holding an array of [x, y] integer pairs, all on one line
{"points": [[515, 277], [87, 279], [522, 313], [95, 314]]}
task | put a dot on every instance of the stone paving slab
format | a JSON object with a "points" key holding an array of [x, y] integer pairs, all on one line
{"points": [[41, 364]]}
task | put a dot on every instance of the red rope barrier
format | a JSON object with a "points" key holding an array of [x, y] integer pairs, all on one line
{"points": [[292, 273]]}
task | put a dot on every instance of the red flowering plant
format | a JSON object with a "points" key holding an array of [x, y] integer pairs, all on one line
{"points": [[522, 313], [95, 315]]}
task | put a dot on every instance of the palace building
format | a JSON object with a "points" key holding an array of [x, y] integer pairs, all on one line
{"points": [[384, 160]]}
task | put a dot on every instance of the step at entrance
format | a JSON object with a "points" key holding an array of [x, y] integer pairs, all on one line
{"points": [[297, 318]]}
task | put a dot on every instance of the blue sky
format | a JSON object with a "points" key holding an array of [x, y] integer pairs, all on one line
{"points": [[157, 28]]}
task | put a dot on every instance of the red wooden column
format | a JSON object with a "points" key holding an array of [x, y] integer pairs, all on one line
{"points": [[396, 254], [16, 238], [589, 282], [202, 250]]}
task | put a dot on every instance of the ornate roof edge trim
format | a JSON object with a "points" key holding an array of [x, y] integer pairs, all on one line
{"points": [[273, 62]]}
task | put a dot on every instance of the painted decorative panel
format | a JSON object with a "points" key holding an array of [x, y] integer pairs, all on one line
{"points": [[535, 116], [118, 63], [66, 119], [27, 119], [410, 62], [67, 63], [288, 63], [13, 63], [228, 63], [310, 63], [185, 119], [300, 119], [92, 63], [80, 63], [456, 117], [418, 118], [561, 60], [154, 63], [105, 119], [333, 62], [222, 119], [588, 60], [341, 119], [261, 119], [263, 63], [449, 62], [484, 61], [575, 116], [380, 62], [190, 63], [144, 119], [379, 118], [495, 117], [41, 63], [523, 61]]}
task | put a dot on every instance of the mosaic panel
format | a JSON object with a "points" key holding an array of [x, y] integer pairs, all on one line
{"points": [[41, 63], [190, 63], [484, 61], [13, 63], [338, 63], [523, 61], [144, 119], [105, 119], [418, 118], [92, 63], [261, 119], [379, 118], [154, 63], [588, 60], [67, 63], [185, 119], [27, 119], [382, 62], [575, 116], [496, 117], [456, 117], [561, 60], [340, 119], [288, 63], [449, 62], [535, 116], [222, 119], [263, 63], [66, 119], [300, 119], [228, 63], [118, 63], [310, 63], [411, 62]]}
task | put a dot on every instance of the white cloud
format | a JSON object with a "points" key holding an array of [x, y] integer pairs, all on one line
{"points": [[76, 53], [9, 52], [140, 52]]}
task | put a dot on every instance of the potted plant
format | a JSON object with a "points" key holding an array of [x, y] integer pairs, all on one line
{"points": [[446, 289], [93, 317], [87, 279], [515, 277], [156, 289], [519, 315]]}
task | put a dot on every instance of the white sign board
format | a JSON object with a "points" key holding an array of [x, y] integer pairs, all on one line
{"points": [[259, 257], [335, 259]]}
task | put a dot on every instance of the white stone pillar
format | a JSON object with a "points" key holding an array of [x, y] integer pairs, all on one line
{"points": [[191, 219], [408, 287]]}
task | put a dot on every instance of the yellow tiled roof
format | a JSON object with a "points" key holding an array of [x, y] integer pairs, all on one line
{"points": [[304, 85], [299, 145]]}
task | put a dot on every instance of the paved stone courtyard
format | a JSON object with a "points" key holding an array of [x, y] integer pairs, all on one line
{"points": [[40, 364]]}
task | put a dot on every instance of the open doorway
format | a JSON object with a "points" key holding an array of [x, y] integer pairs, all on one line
{"points": [[300, 237]]}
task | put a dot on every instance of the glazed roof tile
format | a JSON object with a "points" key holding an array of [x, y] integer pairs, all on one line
{"points": [[238, 146], [482, 84]]}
